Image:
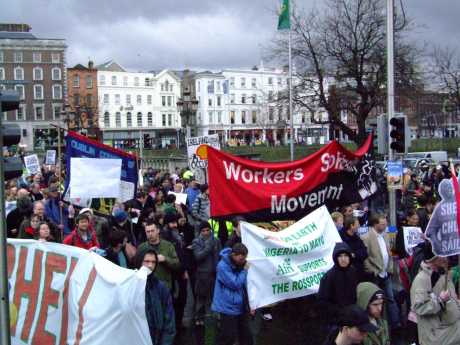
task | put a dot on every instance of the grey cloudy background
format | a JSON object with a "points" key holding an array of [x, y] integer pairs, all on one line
{"points": [[212, 34]]}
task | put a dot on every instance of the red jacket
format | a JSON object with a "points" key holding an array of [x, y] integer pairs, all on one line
{"points": [[74, 239]]}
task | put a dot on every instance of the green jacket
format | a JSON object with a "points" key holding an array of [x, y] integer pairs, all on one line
{"points": [[438, 322], [364, 293], [164, 269]]}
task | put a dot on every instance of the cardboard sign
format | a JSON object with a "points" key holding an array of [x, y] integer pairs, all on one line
{"points": [[32, 164], [197, 150], [50, 158], [394, 174], [413, 236]]}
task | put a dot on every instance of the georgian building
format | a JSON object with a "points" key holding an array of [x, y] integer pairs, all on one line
{"points": [[35, 67], [136, 106]]}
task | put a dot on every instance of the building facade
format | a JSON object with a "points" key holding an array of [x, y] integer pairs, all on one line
{"points": [[82, 98], [136, 107], [35, 67]]}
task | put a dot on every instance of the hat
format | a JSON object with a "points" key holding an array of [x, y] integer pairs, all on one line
{"points": [[428, 254], [203, 187], [354, 316], [86, 209], [52, 188], [377, 295], [120, 216], [204, 225], [170, 218]]}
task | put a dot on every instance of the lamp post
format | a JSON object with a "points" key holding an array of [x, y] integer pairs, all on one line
{"points": [[187, 109]]}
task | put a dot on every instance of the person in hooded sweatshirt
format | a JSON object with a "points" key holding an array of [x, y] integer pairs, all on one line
{"points": [[337, 287], [349, 235], [371, 298]]}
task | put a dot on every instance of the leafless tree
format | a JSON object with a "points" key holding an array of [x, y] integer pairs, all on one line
{"points": [[339, 54], [446, 71]]}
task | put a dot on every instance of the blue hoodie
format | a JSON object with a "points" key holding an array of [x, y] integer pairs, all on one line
{"points": [[230, 286]]}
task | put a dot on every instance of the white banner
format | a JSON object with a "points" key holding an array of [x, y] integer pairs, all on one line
{"points": [[50, 157], [67, 295], [413, 235], [32, 164], [290, 263], [95, 178]]}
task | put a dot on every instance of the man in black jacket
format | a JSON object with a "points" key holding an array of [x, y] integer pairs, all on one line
{"points": [[349, 235]]}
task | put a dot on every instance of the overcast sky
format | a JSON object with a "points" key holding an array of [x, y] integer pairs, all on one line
{"points": [[212, 34]]}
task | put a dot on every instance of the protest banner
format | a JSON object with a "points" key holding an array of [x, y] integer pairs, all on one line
{"points": [[50, 158], [181, 198], [262, 191], [67, 295], [105, 178], [80, 146], [394, 174], [442, 229], [32, 164], [289, 263], [413, 236], [198, 156]]}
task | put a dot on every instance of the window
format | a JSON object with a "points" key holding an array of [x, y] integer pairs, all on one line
{"points": [[89, 82], [20, 90], [270, 114], [139, 119], [2, 73], [37, 57], [57, 91], [56, 112], [1, 56], [76, 99], [232, 117], [136, 81], [106, 119], [106, 98], [243, 82], [114, 80], [163, 101], [254, 99], [139, 99], [18, 73], [171, 87], [254, 116], [253, 82], [117, 99], [17, 56], [243, 116], [163, 120], [232, 98], [149, 99], [149, 119], [56, 73], [219, 117], [39, 112], [55, 57], [169, 101], [270, 81], [147, 82], [280, 113], [20, 113], [210, 102], [169, 120], [210, 86], [219, 101], [89, 100], [243, 98], [128, 99], [38, 91], [102, 79], [125, 81], [210, 117], [270, 95], [232, 82], [117, 119], [162, 87], [76, 81], [218, 85], [129, 120], [38, 73], [280, 81]]}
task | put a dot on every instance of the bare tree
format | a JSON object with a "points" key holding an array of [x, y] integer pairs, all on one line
{"points": [[339, 54], [446, 71]]}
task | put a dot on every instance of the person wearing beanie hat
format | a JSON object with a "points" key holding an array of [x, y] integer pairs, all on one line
{"points": [[434, 302], [371, 298], [337, 287]]}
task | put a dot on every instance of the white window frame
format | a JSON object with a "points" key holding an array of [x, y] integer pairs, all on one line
{"points": [[163, 120], [125, 81], [170, 120], [76, 81], [18, 57], [136, 81], [139, 99], [2, 73], [106, 117], [36, 106], [128, 99], [35, 91], [149, 99], [22, 93], [209, 102], [129, 119], [137, 119], [118, 119], [55, 57], [60, 91], [254, 82], [149, 119], [36, 57], [243, 83], [15, 73], [23, 108], [38, 73], [102, 80], [53, 70], [210, 117], [2, 57], [117, 99], [89, 81], [54, 111], [113, 80], [106, 98]]}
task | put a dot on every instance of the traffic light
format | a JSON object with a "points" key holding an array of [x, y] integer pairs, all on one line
{"points": [[11, 134], [398, 133]]}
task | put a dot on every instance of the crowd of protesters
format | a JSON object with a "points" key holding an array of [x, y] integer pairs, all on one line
{"points": [[374, 291]]}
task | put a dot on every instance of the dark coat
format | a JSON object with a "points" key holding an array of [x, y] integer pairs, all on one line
{"points": [[337, 288], [159, 311], [206, 254], [358, 248]]}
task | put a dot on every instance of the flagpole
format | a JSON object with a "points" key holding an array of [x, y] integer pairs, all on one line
{"points": [[290, 92]]}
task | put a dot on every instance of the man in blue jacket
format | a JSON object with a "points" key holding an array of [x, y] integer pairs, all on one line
{"points": [[230, 297]]}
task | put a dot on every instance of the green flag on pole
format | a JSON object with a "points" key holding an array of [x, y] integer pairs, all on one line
{"points": [[284, 20]]}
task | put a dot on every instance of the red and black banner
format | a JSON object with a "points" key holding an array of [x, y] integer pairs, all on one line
{"points": [[263, 191]]}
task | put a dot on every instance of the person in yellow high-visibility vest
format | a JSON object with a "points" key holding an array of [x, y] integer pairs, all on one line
{"points": [[221, 229]]}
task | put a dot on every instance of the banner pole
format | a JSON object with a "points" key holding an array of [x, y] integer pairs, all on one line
{"points": [[60, 181], [291, 122], [4, 298]]}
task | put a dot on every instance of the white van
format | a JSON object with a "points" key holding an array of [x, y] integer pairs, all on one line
{"points": [[436, 156]]}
